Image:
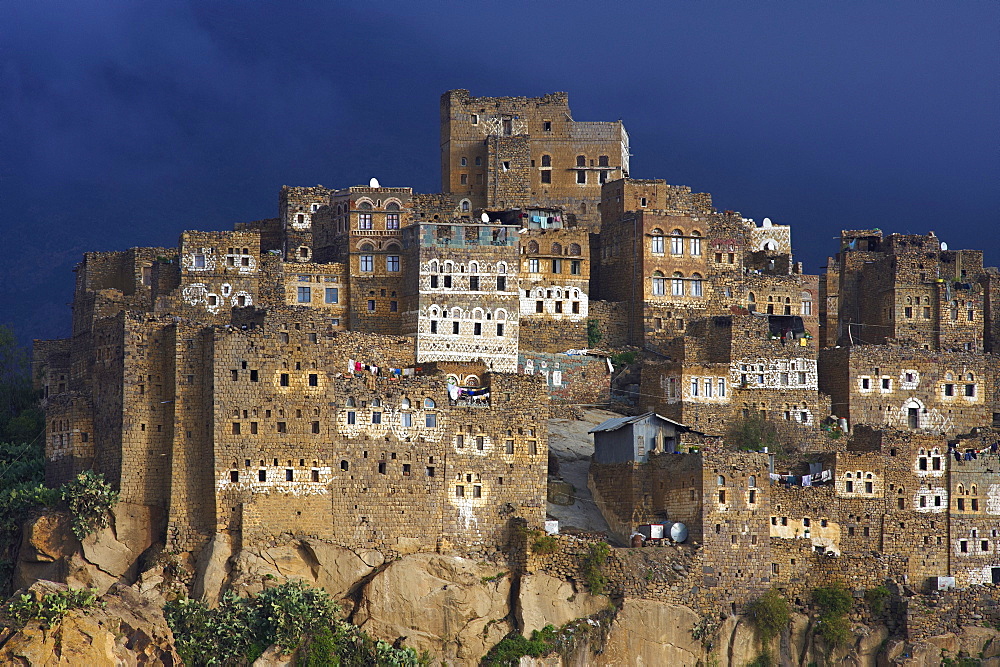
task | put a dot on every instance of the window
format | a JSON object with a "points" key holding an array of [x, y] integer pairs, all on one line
{"points": [[546, 160], [331, 295], [305, 295], [392, 263], [465, 162], [696, 289], [352, 417], [533, 266], [455, 327], [539, 307], [659, 284], [477, 329], [364, 220], [474, 283], [465, 179], [546, 126], [199, 261], [393, 306], [557, 266], [581, 160], [236, 428], [546, 175], [575, 267], [431, 420], [283, 379], [949, 390], [677, 284], [313, 380], [459, 491], [406, 420], [970, 390], [602, 161], [722, 387], [676, 243], [807, 305], [376, 417], [581, 176], [474, 119], [371, 305], [392, 221], [695, 243], [434, 326], [500, 329], [656, 242]]}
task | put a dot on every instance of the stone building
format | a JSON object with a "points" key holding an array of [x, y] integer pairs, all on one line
{"points": [[509, 152], [907, 387], [732, 365], [461, 293], [554, 289]]}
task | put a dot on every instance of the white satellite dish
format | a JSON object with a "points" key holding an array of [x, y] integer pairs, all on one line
{"points": [[678, 532], [944, 246], [485, 217], [374, 183], [766, 222]]}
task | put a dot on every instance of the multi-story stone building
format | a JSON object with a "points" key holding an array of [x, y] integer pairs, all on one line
{"points": [[510, 152]]}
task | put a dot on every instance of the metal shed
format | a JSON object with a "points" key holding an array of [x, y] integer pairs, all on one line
{"points": [[625, 439]]}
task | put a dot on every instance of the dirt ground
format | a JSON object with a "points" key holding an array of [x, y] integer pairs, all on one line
{"points": [[573, 447]]}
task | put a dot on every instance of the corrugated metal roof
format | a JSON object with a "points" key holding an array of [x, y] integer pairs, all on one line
{"points": [[616, 423]]}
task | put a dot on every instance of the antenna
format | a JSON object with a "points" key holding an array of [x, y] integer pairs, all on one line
{"points": [[374, 183], [766, 222], [944, 246], [485, 217]]}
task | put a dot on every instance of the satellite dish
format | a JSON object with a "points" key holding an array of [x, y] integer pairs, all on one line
{"points": [[766, 222], [678, 532], [374, 183], [944, 246], [485, 217]]}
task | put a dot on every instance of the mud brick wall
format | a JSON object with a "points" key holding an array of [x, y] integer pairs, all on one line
{"points": [[569, 378]]}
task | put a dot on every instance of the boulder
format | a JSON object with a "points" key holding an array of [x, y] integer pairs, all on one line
{"points": [[546, 600], [646, 632], [127, 630], [453, 607], [211, 569], [337, 570]]}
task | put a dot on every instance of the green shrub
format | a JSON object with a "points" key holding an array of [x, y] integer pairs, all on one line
{"points": [[593, 333], [49, 609], [90, 499], [752, 433], [763, 659], [593, 563], [835, 630], [514, 646], [624, 358], [876, 599], [545, 544], [833, 600], [290, 615], [769, 614]]}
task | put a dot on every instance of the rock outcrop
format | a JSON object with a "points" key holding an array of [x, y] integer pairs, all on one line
{"points": [[125, 630], [49, 551], [546, 600], [453, 607]]}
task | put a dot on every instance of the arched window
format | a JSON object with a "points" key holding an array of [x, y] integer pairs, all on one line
{"points": [[364, 206], [466, 206], [574, 249], [429, 403], [376, 403], [752, 481], [581, 160], [807, 302], [695, 243], [751, 298], [433, 266], [677, 284], [392, 206], [405, 403], [546, 160], [696, 284], [350, 402], [970, 377], [656, 242], [556, 249], [367, 247], [659, 284], [721, 480], [676, 242], [471, 381], [474, 267], [532, 246]]}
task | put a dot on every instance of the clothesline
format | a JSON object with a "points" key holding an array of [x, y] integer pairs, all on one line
{"points": [[354, 367], [804, 480]]}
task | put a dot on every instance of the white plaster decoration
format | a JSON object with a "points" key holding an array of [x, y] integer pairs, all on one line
{"points": [[762, 373]]}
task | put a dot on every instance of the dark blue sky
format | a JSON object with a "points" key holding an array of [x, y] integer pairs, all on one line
{"points": [[123, 123]]}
